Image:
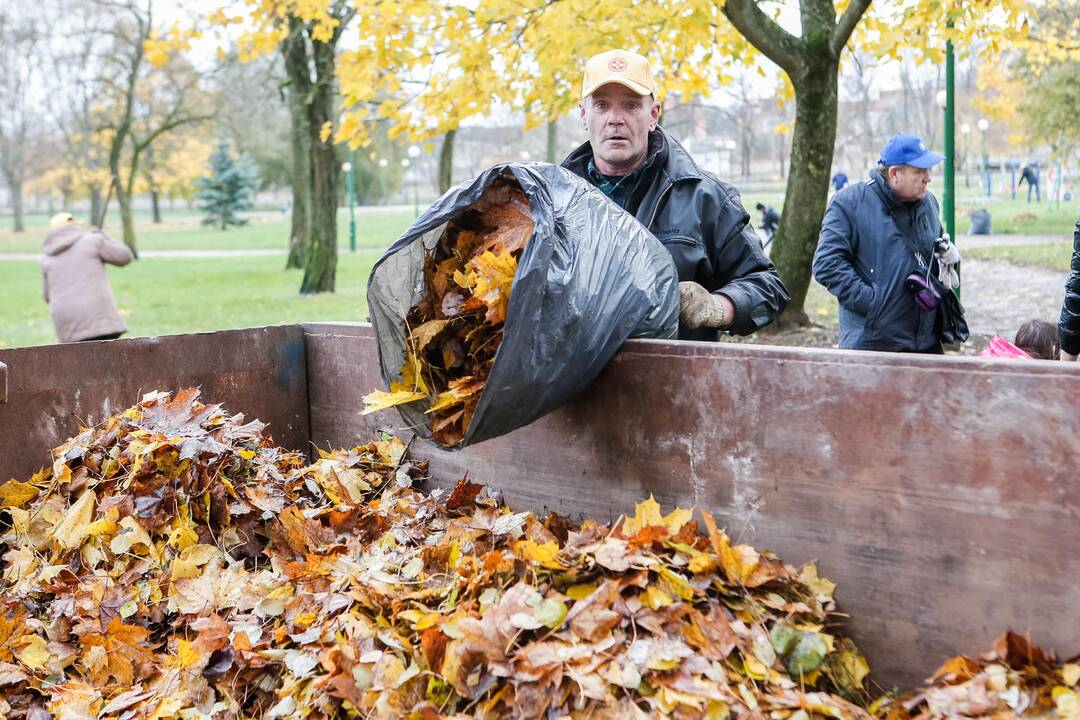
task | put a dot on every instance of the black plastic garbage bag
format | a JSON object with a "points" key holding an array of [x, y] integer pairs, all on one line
{"points": [[590, 277], [980, 222]]}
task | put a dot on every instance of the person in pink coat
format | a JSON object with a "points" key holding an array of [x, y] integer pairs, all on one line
{"points": [[74, 282]]}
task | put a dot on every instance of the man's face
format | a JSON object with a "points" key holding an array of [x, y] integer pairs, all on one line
{"points": [[909, 183], [618, 121]]}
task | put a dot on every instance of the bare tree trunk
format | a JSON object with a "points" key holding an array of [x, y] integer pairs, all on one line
{"points": [[320, 266], [807, 192], [127, 222], [95, 206], [812, 63], [552, 155], [17, 205], [155, 202], [446, 162]]}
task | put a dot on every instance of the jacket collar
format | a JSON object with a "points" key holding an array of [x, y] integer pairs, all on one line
{"points": [[664, 150], [892, 202]]}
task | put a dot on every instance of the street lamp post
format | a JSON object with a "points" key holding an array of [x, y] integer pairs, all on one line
{"points": [[414, 152], [945, 102], [347, 166], [965, 130], [984, 126]]}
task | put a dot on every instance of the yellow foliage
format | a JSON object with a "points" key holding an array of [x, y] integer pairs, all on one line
{"points": [[647, 514]]}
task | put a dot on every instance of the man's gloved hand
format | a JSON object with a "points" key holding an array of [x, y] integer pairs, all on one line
{"points": [[948, 259], [700, 308]]}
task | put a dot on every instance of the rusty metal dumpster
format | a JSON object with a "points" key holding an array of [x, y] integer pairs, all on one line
{"points": [[937, 492]]}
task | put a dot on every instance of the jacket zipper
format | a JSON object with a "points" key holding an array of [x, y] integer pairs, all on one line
{"points": [[656, 208]]}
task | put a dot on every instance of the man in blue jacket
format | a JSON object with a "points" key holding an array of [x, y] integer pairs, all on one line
{"points": [[876, 234], [727, 283]]}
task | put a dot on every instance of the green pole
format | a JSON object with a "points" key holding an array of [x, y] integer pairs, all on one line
{"points": [[950, 141], [349, 185]]}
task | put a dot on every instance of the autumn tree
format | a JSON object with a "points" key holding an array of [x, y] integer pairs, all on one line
{"points": [[306, 34], [150, 89], [21, 38]]}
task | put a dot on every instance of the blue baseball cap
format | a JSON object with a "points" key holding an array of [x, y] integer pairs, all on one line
{"points": [[910, 150]]}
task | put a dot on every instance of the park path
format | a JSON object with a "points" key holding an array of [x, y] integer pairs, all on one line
{"points": [[250, 252], [999, 296], [963, 241]]}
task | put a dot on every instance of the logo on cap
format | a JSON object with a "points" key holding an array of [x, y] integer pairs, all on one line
{"points": [[922, 146], [617, 64]]}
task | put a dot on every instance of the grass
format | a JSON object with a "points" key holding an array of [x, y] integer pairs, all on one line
{"points": [[162, 296], [1010, 217], [1052, 257], [159, 296], [375, 228]]}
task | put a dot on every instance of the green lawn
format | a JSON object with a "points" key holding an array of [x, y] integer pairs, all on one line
{"points": [[1053, 257], [159, 296], [375, 228], [1011, 217]]}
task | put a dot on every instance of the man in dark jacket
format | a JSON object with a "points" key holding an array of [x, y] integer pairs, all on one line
{"points": [[770, 220], [727, 282], [1031, 176], [1069, 324], [875, 234]]}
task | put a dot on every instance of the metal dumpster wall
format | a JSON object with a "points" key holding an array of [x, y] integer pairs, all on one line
{"points": [[938, 493], [53, 389]]}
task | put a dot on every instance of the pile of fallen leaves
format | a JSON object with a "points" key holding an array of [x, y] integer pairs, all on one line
{"points": [[173, 563], [1014, 679], [456, 327]]}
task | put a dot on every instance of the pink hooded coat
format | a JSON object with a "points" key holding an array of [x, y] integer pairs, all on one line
{"points": [[74, 283]]}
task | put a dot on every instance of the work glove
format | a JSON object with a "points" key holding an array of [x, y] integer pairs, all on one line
{"points": [[948, 258], [699, 308]]}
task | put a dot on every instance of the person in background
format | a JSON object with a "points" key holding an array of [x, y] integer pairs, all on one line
{"points": [[839, 181], [1039, 339], [770, 220], [1069, 323], [879, 241], [74, 282], [727, 283], [1031, 175]]}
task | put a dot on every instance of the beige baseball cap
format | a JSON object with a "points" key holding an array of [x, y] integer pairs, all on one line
{"points": [[617, 66], [61, 219]]}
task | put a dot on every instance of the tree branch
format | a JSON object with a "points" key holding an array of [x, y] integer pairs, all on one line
{"points": [[846, 25], [773, 41]]}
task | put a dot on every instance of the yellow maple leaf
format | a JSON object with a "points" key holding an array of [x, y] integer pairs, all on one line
{"points": [[34, 653], [422, 335], [380, 399], [186, 655], [543, 554], [72, 528], [494, 279], [647, 514], [325, 130], [15, 494], [738, 561]]}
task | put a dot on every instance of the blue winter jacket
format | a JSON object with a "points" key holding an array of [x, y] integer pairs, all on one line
{"points": [[863, 259]]}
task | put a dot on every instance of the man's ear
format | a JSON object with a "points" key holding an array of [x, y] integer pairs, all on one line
{"points": [[654, 115], [581, 107]]}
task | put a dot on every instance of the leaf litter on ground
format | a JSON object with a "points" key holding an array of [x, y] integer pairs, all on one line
{"points": [[173, 562]]}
